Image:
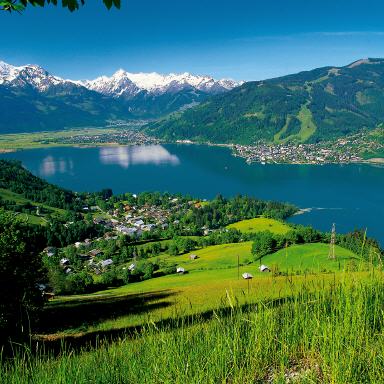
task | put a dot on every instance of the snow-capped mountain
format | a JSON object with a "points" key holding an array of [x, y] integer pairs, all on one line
{"points": [[30, 76], [31, 98], [121, 83], [128, 84]]}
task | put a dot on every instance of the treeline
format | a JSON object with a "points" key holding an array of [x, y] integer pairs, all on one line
{"points": [[222, 211]]}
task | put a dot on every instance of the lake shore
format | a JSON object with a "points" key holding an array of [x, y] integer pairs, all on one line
{"points": [[305, 154]]}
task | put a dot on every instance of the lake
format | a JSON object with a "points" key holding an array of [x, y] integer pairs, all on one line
{"points": [[349, 195]]}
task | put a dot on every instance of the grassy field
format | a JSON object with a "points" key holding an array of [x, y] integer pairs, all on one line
{"points": [[308, 127], [212, 326], [319, 333], [259, 224], [12, 142], [312, 258], [214, 257], [210, 279]]}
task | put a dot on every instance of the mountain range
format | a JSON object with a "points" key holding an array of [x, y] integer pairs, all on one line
{"points": [[32, 99], [311, 106]]}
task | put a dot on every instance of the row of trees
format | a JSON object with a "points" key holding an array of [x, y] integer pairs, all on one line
{"points": [[223, 211]]}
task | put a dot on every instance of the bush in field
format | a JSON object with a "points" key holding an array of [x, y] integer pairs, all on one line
{"points": [[264, 243]]}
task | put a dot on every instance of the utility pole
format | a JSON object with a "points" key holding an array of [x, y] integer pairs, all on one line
{"points": [[238, 267], [332, 254]]}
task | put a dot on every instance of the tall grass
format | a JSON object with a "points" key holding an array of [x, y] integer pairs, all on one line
{"points": [[330, 335]]}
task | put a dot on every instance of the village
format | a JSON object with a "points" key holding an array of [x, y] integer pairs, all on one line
{"points": [[350, 149], [296, 154], [121, 136], [136, 223]]}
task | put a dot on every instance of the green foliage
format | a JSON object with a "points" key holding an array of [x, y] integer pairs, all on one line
{"points": [[222, 211], [72, 5], [14, 177], [20, 272], [264, 243]]}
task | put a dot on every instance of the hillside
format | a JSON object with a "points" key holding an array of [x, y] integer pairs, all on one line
{"points": [[321, 104], [19, 181]]}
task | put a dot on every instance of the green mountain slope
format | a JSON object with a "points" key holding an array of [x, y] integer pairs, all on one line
{"points": [[311, 106], [25, 110], [17, 180]]}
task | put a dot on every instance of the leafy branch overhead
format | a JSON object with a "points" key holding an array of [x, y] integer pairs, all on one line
{"points": [[72, 5]]}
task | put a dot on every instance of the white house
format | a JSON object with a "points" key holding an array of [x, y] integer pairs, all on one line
{"points": [[106, 263], [64, 261], [264, 268], [247, 276]]}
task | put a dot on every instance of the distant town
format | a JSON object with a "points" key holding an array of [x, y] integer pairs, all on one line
{"points": [[297, 154], [122, 136]]}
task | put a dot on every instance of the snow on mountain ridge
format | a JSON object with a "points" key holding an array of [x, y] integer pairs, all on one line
{"points": [[121, 83], [29, 75]]}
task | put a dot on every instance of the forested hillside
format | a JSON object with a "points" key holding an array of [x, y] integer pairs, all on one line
{"points": [[311, 106], [15, 178]]}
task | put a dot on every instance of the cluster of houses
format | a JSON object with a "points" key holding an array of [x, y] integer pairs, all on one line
{"points": [[133, 221], [295, 154], [93, 258]]}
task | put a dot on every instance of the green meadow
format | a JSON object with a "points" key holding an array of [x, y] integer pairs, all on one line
{"points": [[313, 258], [259, 224], [327, 329], [18, 141], [208, 282]]}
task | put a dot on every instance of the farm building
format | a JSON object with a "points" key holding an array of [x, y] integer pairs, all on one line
{"points": [[106, 263], [247, 276], [180, 270], [264, 268], [95, 252]]}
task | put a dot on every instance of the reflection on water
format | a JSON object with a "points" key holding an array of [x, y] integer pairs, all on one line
{"points": [[145, 154], [50, 166]]}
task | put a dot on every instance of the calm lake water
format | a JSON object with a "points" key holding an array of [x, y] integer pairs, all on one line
{"points": [[352, 196]]}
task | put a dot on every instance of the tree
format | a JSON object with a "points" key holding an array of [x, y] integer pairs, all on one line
{"points": [[72, 5], [264, 243], [21, 271]]}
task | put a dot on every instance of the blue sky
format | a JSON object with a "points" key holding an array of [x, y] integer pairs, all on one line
{"points": [[240, 39]]}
